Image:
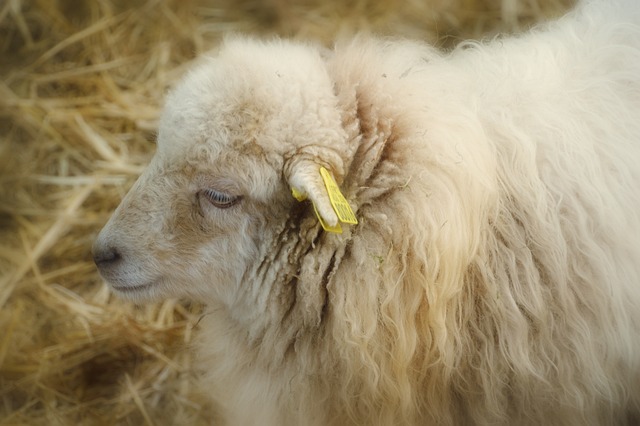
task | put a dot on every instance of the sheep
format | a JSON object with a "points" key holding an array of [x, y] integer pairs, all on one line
{"points": [[493, 274]]}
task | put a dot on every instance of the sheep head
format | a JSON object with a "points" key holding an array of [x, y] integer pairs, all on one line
{"points": [[237, 133]]}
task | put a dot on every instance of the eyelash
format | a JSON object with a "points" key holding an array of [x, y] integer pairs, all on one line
{"points": [[220, 200]]}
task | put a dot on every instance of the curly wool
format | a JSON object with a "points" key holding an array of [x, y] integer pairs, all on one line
{"points": [[494, 277]]}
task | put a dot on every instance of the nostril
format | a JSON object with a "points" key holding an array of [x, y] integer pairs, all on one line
{"points": [[107, 256]]}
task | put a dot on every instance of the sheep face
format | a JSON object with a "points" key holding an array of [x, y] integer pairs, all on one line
{"points": [[235, 135], [183, 226]]}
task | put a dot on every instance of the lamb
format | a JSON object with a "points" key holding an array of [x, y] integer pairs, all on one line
{"points": [[493, 276]]}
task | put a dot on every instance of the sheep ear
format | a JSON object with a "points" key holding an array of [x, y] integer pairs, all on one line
{"points": [[316, 183]]}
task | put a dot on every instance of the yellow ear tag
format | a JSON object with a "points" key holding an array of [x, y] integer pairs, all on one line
{"points": [[338, 202], [335, 229], [297, 194]]}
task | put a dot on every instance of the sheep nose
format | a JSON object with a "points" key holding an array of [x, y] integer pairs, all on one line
{"points": [[107, 256]]}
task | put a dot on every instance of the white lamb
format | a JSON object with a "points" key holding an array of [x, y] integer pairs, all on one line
{"points": [[494, 274]]}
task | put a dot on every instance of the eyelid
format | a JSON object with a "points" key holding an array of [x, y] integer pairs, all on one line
{"points": [[219, 199]]}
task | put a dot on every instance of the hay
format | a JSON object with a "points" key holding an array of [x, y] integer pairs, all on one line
{"points": [[80, 88]]}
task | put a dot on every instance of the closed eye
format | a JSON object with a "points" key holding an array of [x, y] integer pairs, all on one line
{"points": [[219, 199]]}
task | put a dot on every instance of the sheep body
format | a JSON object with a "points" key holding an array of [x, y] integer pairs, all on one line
{"points": [[494, 277]]}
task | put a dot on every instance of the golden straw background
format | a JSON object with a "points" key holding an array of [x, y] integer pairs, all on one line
{"points": [[81, 84]]}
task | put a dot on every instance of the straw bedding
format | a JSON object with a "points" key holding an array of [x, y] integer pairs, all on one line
{"points": [[81, 83]]}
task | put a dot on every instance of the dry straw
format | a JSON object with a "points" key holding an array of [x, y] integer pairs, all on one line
{"points": [[81, 83]]}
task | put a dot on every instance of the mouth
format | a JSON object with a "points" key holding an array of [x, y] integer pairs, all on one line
{"points": [[125, 289], [129, 289]]}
